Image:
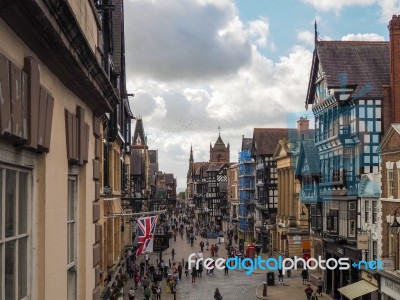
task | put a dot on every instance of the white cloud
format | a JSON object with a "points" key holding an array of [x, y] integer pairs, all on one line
{"points": [[388, 9], [363, 37], [306, 37], [194, 66], [173, 40], [337, 5]]}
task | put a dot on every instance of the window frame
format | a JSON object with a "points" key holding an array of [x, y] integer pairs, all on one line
{"points": [[21, 240]]}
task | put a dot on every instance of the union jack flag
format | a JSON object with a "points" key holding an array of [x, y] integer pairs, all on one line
{"points": [[145, 234]]}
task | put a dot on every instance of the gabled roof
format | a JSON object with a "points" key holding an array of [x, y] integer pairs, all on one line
{"points": [[265, 140], [391, 140], [219, 144], [359, 64], [308, 155]]}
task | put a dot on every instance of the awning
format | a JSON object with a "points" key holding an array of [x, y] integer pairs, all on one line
{"points": [[357, 289]]}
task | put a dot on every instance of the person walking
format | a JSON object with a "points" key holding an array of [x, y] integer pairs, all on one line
{"points": [[217, 294], [158, 292], [180, 271], [212, 250], [173, 253], [131, 294], [147, 293], [201, 246], [207, 244], [226, 268], [216, 250], [309, 291], [320, 285], [194, 275], [186, 269], [280, 276], [137, 279], [304, 275]]}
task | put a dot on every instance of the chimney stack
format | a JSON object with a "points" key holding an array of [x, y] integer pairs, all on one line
{"points": [[394, 33], [303, 124]]}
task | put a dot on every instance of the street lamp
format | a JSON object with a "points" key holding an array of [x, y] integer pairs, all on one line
{"points": [[395, 226]]}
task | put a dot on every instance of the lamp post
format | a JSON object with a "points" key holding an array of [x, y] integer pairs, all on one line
{"points": [[395, 226]]}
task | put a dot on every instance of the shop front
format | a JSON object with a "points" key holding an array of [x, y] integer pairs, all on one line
{"points": [[366, 288], [390, 285], [336, 278]]}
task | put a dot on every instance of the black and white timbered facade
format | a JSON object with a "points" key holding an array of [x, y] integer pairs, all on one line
{"points": [[346, 95]]}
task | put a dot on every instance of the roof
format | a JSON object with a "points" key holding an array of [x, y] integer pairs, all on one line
{"points": [[364, 65], [310, 152], [139, 132], [265, 140], [246, 143], [219, 144], [169, 178], [118, 34]]}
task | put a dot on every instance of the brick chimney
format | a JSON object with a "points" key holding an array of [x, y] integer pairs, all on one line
{"points": [[303, 124], [394, 32]]}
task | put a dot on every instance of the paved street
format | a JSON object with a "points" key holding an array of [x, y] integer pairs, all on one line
{"points": [[234, 286]]}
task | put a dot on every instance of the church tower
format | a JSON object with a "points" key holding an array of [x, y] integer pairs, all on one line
{"points": [[220, 152]]}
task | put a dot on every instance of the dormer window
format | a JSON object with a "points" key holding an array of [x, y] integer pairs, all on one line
{"points": [[138, 140]]}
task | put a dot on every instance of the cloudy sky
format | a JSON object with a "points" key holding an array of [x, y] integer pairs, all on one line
{"points": [[195, 65]]}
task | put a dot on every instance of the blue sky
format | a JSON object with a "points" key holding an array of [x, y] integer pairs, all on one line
{"points": [[287, 17], [195, 65]]}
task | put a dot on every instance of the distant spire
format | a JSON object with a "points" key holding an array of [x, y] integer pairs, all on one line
{"points": [[191, 154], [315, 33], [219, 130]]}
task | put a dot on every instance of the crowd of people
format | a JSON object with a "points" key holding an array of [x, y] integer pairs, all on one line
{"points": [[148, 276]]}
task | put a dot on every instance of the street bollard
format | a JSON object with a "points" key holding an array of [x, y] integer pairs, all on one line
{"points": [[265, 289]]}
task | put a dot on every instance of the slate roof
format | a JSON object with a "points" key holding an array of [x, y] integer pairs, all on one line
{"points": [[139, 131], [312, 155], [363, 63], [219, 144], [265, 140], [118, 34]]}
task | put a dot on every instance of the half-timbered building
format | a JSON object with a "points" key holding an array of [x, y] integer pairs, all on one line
{"points": [[347, 96]]}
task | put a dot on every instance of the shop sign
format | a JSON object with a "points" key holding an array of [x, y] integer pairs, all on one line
{"points": [[297, 239], [362, 242]]}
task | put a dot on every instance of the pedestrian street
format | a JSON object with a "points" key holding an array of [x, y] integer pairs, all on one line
{"points": [[234, 286]]}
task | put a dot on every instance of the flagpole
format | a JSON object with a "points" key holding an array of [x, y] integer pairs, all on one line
{"points": [[157, 212]]}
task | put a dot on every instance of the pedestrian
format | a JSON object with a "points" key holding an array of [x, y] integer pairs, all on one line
{"points": [[158, 292], [212, 250], [180, 271], [201, 246], [207, 244], [226, 268], [194, 275], [173, 253], [174, 236], [137, 279], [217, 295], [320, 285], [200, 273], [308, 291], [131, 294], [216, 250], [147, 258], [153, 291], [304, 275], [280, 276], [186, 269], [147, 293]]}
